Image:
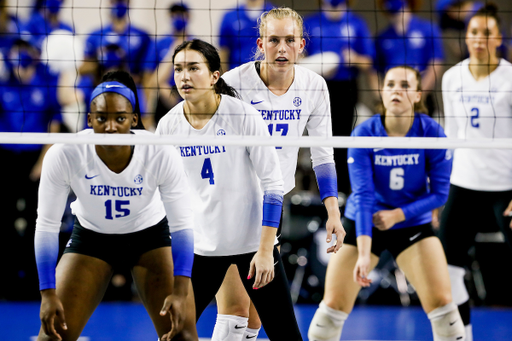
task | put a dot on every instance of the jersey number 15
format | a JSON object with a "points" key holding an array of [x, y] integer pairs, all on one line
{"points": [[120, 210]]}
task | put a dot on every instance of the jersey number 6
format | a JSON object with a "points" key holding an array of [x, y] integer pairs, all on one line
{"points": [[396, 179], [119, 208]]}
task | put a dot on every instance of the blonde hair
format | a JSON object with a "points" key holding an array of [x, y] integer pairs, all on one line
{"points": [[277, 13]]}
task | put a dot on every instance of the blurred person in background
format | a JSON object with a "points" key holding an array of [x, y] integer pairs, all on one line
{"points": [[45, 19], [336, 29], [477, 104], [133, 41], [28, 103], [158, 78], [238, 33], [413, 41]]}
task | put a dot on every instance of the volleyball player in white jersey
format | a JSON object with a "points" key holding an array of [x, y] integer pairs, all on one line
{"points": [[289, 98], [477, 104], [237, 191], [124, 196]]}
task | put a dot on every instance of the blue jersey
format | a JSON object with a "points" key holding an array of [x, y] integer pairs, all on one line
{"points": [[238, 33], [416, 180], [39, 27], [8, 38], [134, 41], [29, 108], [420, 45], [349, 32]]}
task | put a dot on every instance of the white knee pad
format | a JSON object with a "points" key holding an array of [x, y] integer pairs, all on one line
{"points": [[250, 334], [447, 324], [459, 292], [327, 324], [229, 328]]}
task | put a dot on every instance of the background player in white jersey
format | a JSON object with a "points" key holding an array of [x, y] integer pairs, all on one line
{"points": [[477, 104], [394, 192], [124, 194], [289, 98], [229, 183]]}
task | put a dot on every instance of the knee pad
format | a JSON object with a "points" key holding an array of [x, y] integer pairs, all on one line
{"points": [[229, 328], [447, 324], [251, 334], [460, 294], [327, 324]]}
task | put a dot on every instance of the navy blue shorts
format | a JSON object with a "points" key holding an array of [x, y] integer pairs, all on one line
{"points": [[395, 241], [118, 250]]}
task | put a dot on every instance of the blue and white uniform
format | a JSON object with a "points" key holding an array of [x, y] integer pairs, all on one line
{"points": [[133, 40], [418, 47], [415, 180], [304, 106], [239, 32], [151, 187]]}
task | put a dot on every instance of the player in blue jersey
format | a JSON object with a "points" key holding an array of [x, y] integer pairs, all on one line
{"points": [[410, 40], [131, 200], [337, 29], [394, 192], [238, 33]]}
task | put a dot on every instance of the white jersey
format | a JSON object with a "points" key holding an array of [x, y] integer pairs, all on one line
{"points": [[479, 109], [226, 181], [305, 105], [109, 202]]}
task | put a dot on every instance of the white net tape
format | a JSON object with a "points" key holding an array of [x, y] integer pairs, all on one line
{"points": [[304, 141]]}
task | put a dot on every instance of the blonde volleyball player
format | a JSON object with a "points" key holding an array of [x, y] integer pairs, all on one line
{"points": [[477, 104], [289, 98], [237, 192], [394, 192], [130, 201]]}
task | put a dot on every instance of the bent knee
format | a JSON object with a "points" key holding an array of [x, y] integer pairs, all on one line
{"points": [[241, 310]]}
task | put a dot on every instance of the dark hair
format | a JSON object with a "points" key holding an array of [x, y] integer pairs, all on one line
{"points": [[178, 7], [124, 77], [418, 107], [490, 10], [212, 57]]}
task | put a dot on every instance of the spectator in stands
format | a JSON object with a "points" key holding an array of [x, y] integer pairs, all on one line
{"points": [[238, 33], [28, 103], [9, 28], [45, 19], [410, 40], [336, 29], [134, 41], [158, 80]]}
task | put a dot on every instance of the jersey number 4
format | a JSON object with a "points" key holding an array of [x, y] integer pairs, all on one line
{"points": [[207, 171], [121, 211], [396, 179], [282, 127]]}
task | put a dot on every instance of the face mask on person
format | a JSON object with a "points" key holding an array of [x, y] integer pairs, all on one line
{"points": [[53, 6], [179, 23], [23, 59], [120, 9], [394, 6], [335, 3]]}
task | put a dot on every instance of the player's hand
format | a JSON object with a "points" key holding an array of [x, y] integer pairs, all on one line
{"points": [[51, 312], [508, 212], [262, 269], [435, 219], [334, 226], [35, 173], [175, 306], [386, 219], [361, 271]]}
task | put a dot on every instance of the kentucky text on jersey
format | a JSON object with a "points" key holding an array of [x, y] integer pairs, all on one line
{"points": [[476, 99], [283, 115], [397, 160], [200, 150], [115, 191]]}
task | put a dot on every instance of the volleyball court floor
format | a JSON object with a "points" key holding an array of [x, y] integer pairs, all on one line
{"points": [[130, 322]]}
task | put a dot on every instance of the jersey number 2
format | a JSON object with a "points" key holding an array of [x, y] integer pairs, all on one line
{"points": [[475, 115], [396, 179], [123, 212], [207, 171]]}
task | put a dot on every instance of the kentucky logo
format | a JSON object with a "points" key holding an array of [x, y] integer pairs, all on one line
{"points": [[297, 101], [138, 179]]}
